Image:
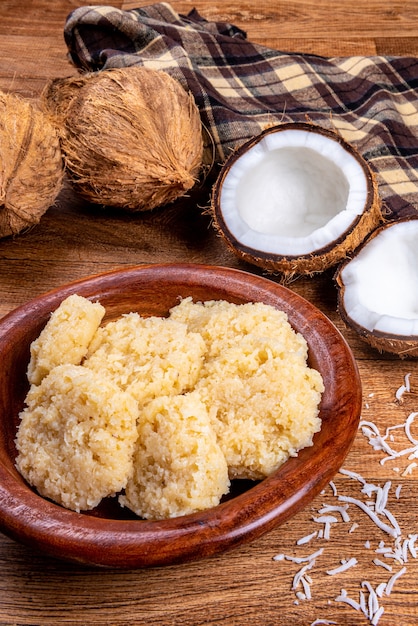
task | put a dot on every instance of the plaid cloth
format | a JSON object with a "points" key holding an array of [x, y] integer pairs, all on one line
{"points": [[241, 87]]}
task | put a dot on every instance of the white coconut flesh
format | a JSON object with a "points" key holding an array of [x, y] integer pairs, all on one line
{"points": [[292, 193], [381, 282]]}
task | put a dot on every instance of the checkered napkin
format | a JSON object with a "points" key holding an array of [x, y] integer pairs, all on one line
{"points": [[242, 87]]}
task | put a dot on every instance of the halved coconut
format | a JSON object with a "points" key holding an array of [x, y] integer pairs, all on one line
{"points": [[295, 199], [378, 288]]}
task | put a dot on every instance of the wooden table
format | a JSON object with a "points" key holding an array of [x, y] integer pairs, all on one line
{"points": [[245, 586]]}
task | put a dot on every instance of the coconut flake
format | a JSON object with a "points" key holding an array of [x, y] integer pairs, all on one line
{"points": [[409, 468], [411, 545], [353, 475], [333, 487], [298, 559], [327, 520], [405, 388], [382, 564], [342, 510], [377, 616], [393, 532], [343, 597], [380, 590], [408, 423], [345, 565], [379, 441], [306, 539], [392, 580], [369, 607]]}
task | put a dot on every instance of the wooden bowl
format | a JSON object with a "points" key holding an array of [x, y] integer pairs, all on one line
{"points": [[107, 536]]}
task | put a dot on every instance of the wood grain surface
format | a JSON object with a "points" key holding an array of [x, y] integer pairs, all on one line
{"points": [[245, 586]]}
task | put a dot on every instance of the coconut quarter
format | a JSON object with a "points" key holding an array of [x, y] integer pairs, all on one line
{"points": [[377, 289]]}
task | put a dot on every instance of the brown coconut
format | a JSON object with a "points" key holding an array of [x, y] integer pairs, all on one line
{"points": [[131, 137], [59, 94], [237, 232], [31, 168]]}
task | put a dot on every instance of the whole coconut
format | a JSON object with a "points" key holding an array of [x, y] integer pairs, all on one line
{"points": [[31, 168], [131, 137]]}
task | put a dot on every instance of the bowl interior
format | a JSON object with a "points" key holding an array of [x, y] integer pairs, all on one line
{"points": [[252, 508]]}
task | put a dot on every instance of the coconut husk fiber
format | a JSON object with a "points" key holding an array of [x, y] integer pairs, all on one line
{"points": [[131, 137], [31, 169]]}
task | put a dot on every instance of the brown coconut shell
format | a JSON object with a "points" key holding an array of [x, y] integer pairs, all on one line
{"points": [[319, 260], [31, 168], [131, 137], [399, 345]]}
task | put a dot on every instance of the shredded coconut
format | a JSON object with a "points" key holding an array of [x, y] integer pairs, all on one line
{"points": [[368, 605], [333, 487], [382, 564], [374, 501], [393, 532], [379, 442], [405, 388], [393, 579], [306, 538], [345, 565], [329, 508]]}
